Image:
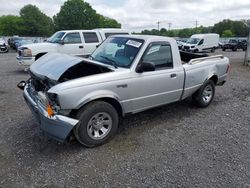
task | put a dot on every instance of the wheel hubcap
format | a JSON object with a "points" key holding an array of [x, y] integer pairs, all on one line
{"points": [[207, 94], [99, 125]]}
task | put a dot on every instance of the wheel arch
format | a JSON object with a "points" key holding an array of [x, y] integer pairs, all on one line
{"points": [[214, 78], [37, 56], [109, 99]]}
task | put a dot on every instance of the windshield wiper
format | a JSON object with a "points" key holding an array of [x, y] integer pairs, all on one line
{"points": [[110, 60]]}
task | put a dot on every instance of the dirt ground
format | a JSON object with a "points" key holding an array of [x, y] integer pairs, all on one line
{"points": [[177, 145]]}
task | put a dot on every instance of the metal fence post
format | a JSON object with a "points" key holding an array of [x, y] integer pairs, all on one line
{"points": [[247, 53]]}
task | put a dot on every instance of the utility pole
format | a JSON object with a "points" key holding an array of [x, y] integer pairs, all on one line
{"points": [[158, 24], [247, 53], [169, 26], [196, 23]]}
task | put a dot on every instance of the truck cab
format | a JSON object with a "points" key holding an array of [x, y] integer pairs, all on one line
{"points": [[73, 42]]}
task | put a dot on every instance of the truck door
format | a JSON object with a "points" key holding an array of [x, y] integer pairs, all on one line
{"points": [[91, 41], [162, 86], [71, 44]]}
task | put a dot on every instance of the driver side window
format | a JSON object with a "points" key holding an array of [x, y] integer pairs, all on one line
{"points": [[72, 38], [160, 55], [201, 42]]}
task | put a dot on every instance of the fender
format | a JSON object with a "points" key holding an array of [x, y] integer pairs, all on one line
{"points": [[98, 95]]}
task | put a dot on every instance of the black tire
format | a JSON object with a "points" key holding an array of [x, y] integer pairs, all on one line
{"points": [[196, 51], [234, 49], [223, 49], [199, 98], [83, 128]]}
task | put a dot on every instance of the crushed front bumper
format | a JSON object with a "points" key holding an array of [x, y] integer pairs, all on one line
{"points": [[58, 127]]}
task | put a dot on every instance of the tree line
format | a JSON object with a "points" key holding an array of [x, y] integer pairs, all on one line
{"points": [[73, 14], [225, 28]]}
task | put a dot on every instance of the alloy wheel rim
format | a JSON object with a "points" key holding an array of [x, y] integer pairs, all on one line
{"points": [[207, 94], [99, 126]]}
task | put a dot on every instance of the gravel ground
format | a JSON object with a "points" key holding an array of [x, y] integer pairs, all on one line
{"points": [[177, 145]]}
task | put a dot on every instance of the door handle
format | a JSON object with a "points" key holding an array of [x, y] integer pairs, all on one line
{"points": [[173, 75], [80, 46]]}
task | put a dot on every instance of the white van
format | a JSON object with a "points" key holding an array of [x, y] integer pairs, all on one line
{"points": [[201, 42]]}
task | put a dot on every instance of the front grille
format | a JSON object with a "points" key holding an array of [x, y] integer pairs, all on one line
{"points": [[19, 52], [38, 85], [186, 47]]}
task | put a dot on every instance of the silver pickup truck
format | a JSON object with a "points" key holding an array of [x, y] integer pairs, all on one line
{"points": [[85, 98]]}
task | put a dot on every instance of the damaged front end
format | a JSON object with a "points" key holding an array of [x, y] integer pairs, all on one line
{"points": [[53, 123], [45, 73]]}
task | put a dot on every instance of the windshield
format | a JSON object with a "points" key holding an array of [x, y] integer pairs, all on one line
{"points": [[56, 37], [193, 40], [118, 51]]}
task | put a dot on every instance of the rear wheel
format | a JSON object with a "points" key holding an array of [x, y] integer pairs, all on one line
{"points": [[234, 49], [223, 49], [204, 96], [98, 122]]}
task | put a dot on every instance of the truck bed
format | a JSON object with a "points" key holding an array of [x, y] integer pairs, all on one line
{"points": [[188, 56]]}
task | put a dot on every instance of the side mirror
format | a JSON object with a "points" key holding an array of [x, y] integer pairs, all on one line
{"points": [[145, 67], [61, 42]]}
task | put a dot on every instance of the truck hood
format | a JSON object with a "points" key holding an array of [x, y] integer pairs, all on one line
{"points": [[39, 47], [54, 65]]}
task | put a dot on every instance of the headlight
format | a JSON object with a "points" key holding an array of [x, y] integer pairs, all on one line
{"points": [[53, 99], [27, 53]]}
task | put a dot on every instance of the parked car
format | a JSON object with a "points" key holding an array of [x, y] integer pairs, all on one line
{"points": [[201, 42], [125, 75], [22, 42], [3, 46], [235, 44], [13, 41], [73, 42]]}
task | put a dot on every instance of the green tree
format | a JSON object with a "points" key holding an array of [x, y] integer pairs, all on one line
{"points": [[11, 25], [76, 14], [227, 33], [106, 22], [35, 22], [239, 28]]}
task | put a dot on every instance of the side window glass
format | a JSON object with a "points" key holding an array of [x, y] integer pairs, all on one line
{"points": [[90, 37], [72, 38], [160, 55], [201, 42]]}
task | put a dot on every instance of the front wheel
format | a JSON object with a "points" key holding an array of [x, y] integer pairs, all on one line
{"points": [[204, 96], [98, 122]]}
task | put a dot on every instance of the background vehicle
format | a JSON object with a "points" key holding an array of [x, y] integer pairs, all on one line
{"points": [[235, 44], [12, 41], [73, 42], [125, 75], [3, 46], [201, 42], [22, 42]]}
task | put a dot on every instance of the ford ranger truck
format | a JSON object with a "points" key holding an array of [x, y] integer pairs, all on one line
{"points": [[86, 98]]}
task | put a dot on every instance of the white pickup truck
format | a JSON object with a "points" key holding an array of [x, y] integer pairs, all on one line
{"points": [[125, 75], [72, 42]]}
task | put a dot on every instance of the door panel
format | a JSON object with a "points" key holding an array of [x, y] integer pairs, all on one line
{"points": [[72, 44], [91, 40], [162, 86]]}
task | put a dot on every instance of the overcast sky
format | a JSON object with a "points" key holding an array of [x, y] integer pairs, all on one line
{"points": [[143, 14]]}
